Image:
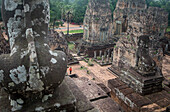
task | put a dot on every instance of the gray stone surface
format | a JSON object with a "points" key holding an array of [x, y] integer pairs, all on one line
{"points": [[61, 99], [82, 103], [32, 69], [96, 96], [107, 105], [90, 89]]}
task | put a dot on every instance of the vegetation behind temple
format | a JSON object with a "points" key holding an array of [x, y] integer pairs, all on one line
{"points": [[59, 8]]}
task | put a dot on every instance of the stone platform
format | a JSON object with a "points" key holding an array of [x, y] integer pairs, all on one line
{"points": [[141, 84], [97, 96], [134, 102], [67, 97]]}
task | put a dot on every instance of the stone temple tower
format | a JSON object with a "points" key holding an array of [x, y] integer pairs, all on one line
{"points": [[97, 21], [124, 8]]}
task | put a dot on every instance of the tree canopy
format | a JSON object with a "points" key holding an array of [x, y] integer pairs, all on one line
{"points": [[60, 8]]}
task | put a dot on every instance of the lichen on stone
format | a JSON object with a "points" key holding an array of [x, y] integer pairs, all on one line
{"points": [[52, 53], [54, 61], [18, 75]]}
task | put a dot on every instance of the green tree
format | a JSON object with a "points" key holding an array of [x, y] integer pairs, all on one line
{"points": [[79, 9]]}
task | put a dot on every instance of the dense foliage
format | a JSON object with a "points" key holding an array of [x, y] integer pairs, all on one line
{"points": [[78, 8], [60, 8]]}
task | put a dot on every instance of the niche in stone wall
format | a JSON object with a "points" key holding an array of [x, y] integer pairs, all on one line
{"points": [[86, 31], [103, 34], [118, 27], [124, 24]]}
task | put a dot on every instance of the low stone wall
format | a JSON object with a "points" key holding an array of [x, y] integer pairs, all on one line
{"points": [[75, 37]]}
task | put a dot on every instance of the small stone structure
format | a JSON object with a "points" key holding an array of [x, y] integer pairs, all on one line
{"points": [[134, 66]]}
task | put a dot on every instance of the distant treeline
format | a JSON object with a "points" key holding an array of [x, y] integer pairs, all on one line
{"points": [[60, 8]]}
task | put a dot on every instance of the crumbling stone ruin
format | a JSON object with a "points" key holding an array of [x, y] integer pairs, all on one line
{"points": [[57, 41], [134, 18], [97, 28], [134, 66], [139, 49], [124, 9], [137, 57], [31, 72]]}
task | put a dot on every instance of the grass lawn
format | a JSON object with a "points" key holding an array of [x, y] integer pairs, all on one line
{"points": [[71, 46], [75, 31], [168, 29]]}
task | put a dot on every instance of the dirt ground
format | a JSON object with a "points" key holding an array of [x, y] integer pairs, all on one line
{"points": [[71, 26], [97, 73]]}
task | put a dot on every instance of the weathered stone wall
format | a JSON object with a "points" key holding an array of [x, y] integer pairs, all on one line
{"points": [[135, 18], [97, 21], [124, 9], [152, 21], [131, 4], [125, 52]]}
